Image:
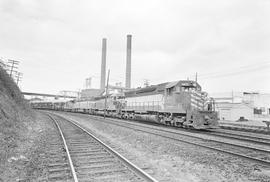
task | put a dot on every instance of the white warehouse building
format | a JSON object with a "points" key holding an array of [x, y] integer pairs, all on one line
{"points": [[248, 105]]}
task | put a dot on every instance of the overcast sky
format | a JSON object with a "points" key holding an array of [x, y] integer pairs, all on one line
{"points": [[58, 42]]}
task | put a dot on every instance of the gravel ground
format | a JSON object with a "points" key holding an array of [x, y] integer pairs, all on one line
{"points": [[167, 161], [29, 161]]}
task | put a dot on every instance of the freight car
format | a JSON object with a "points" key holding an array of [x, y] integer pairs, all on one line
{"points": [[48, 105], [180, 103]]}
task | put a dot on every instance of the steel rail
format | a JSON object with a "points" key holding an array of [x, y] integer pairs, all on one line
{"points": [[251, 138], [136, 169], [210, 132], [189, 135], [67, 150], [248, 138], [261, 161], [234, 136], [251, 130]]}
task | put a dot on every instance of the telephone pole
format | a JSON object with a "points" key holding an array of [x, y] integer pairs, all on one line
{"points": [[14, 65], [146, 82], [107, 87], [19, 77]]}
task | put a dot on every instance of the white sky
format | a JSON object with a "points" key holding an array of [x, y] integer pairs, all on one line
{"points": [[58, 42]]}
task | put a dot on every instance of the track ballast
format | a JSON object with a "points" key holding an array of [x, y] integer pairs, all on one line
{"points": [[259, 154], [92, 160]]}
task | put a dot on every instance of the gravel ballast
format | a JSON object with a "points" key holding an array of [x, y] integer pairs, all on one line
{"points": [[167, 161], [30, 160]]}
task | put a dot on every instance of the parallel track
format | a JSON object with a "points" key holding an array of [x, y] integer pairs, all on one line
{"points": [[260, 130], [255, 154], [265, 140], [90, 159], [258, 138], [237, 135]]}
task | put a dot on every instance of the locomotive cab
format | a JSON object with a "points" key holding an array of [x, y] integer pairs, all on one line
{"points": [[189, 106]]}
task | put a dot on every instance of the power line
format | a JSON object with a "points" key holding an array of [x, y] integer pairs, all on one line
{"points": [[237, 72], [242, 68]]}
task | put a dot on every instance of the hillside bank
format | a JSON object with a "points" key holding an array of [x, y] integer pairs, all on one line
{"points": [[20, 132]]}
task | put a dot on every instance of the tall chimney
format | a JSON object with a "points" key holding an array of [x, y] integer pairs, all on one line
{"points": [[103, 64], [128, 63]]}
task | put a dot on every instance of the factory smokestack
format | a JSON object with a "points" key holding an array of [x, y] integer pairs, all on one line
{"points": [[128, 63], [103, 64]]}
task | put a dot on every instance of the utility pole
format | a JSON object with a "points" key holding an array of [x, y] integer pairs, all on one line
{"points": [[232, 97], [146, 82], [14, 65], [107, 87], [19, 77], [196, 77], [88, 83]]}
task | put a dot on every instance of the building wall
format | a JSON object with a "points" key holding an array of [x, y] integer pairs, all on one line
{"points": [[90, 93], [224, 113], [233, 111], [259, 101], [242, 110], [246, 105]]}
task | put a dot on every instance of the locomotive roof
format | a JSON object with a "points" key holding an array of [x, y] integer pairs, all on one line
{"points": [[155, 89], [184, 83], [146, 90]]}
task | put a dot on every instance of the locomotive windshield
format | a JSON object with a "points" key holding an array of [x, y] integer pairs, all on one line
{"points": [[190, 86]]}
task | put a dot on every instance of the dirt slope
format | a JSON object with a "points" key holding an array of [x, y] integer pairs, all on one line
{"points": [[15, 123]]}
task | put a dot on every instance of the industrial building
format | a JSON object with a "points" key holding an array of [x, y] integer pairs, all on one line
{"points": [[248, 105], [89, 93]]}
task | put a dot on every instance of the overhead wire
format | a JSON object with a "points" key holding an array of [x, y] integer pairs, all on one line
{"points": [[237, 71]]}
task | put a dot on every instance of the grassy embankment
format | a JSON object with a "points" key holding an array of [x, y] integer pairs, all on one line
{"points": [[16, 119]]}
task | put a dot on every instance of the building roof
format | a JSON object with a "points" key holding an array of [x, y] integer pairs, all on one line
{"points": [[89, 93]]}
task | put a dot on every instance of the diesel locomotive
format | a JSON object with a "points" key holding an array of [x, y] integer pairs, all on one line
{"points": [[180, 104]]}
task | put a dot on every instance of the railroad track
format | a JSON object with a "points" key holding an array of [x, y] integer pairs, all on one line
{"points": [[58, 167], [260, 130], [248, 151], [87, 158], [263, 139], [249, 137]]}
